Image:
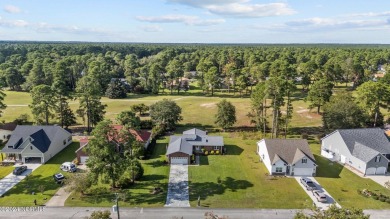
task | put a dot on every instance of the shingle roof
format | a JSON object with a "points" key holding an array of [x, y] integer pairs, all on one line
{"points": [[288, 150], [9, 126], [365, 143], [42, 135], [190, 138]]}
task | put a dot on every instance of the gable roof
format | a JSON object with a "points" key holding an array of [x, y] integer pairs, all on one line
{"points": [[364, 143], [41, 136], [195, 131], [190, 138], [288, 150], [141, 135]]}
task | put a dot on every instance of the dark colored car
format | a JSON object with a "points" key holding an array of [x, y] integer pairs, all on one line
{"points": [[59, 178], [309, 185], [19, 170]]}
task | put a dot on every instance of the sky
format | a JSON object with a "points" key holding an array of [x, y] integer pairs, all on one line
{"points": [[197, 21]]}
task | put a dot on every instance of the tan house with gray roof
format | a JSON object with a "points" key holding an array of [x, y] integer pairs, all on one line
{"points": [[291, 157]]}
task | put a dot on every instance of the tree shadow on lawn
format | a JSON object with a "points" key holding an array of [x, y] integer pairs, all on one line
{"points": [[207, 189], [156, 163], [151, 177], [327, 168], [233, 149], [308, 130], [33, 183]]}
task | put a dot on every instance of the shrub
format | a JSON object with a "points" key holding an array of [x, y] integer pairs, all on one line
{"points": [[382, 199], [319, 136], [146, 124], [305, 136], [211, 152], [217, 152], [206, 153], [388, 200], [375, 197], [75, 161]]}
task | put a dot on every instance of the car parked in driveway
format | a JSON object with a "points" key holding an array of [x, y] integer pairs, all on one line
{"points": [[58, 178], [68, 167], [19, 170], [320, 196], [309, 185]]}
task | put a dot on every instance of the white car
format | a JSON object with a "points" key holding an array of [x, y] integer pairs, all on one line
{"points": [[68, 167], [320, 196]]}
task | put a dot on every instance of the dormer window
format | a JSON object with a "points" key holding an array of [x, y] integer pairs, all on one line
{"points": [[378, 159], [304, 160]]}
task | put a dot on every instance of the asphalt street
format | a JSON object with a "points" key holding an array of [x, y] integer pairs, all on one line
{"points": [[169, 213]]}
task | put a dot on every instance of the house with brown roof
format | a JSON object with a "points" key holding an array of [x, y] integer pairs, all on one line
{"points": [[142, 136], [6, 130], [291, 157]]}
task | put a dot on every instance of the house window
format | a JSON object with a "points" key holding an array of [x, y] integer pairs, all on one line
{"points": [[304, 160], [378, 159], [31, 147], [279, 169], [216, 147], [263, 156], [64, 142]]}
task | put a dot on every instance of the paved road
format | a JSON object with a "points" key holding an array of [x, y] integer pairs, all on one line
{"points": [[168, 213], [178, 195], [11, 180], [330, 199]]}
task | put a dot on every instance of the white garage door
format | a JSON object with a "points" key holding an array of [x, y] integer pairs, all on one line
{"points": [[83, 159], [179, 160], [303, 171], [380, 171], [371, 171]]}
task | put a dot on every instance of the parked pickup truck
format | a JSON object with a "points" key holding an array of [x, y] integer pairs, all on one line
{"points": [[309, 185]]}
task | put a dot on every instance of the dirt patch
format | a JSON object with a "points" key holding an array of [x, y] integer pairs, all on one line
{"points": [[208, 105], [307, 113]]}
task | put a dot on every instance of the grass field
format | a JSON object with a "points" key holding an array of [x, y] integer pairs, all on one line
{"points": [[155, 175], [4, 171], [239, 180], [21, 194], [343, 184], [196, 109]]}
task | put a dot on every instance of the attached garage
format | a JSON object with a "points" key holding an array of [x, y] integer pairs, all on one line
{"points": [[83, 159], [303, 172], [33, 160], [179, 160], [380, 171], [371, 171]]}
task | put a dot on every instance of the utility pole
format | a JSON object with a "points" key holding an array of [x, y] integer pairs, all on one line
{"points": [[117, 204]]}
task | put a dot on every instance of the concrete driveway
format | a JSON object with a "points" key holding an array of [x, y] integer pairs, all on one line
{"points": [[380, 179], [59, 198], [330, 199], [178, 195], [11, 180]]}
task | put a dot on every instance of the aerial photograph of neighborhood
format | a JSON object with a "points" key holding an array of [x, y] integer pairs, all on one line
{"points": [[195, 109]]}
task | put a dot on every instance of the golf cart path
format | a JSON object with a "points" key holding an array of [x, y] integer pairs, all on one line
{"points": [[323, 206], [11, 180], [59, 198], [178, 195]]}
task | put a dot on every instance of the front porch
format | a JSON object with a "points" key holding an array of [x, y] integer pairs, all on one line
{"points": [[11, 159]]}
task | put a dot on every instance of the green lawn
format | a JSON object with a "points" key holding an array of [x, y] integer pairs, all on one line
{"points": [[155, 175], [343, 184], [21, 194], [239, 180], [197, 109], [4, 171]]}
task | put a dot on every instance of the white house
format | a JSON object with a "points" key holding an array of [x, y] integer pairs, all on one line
{"points": [[367, 150], [287, 157], [36, 144]]}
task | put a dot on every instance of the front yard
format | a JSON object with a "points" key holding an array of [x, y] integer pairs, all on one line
{"points": [[5, 170], [155, 175], [343, 184], [41, 178], [238, 179]]}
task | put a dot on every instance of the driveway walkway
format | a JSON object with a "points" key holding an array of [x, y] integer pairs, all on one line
{"points": [[380, 179], [59, 198], [178, 195], [11, 180], [318, 204]]}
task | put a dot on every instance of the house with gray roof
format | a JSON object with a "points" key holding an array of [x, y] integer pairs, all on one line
{"points": [[367, 150], [291, 157], [181, 147], [36, 144]]}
